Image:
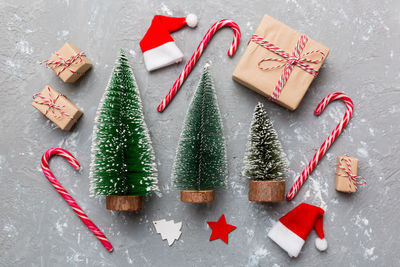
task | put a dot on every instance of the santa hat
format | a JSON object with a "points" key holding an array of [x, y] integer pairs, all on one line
{"points": [[291, 231], [158, 47]]}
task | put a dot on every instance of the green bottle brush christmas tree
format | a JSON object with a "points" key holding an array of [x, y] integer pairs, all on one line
{"points": [[265, 164], [200, 164], [123, 163]]}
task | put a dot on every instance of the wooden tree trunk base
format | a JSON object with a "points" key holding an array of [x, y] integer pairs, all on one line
{"points": [[267, 191], [193, 196], [124, 203]]}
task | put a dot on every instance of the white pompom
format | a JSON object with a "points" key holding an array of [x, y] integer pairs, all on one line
{"points": [[321, 244], [191, 20]]}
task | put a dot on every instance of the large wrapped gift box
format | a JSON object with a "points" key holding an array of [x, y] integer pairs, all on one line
{"points": [[280, 63]]}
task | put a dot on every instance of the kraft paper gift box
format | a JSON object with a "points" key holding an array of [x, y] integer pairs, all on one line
{"points": [[69, 63], [249, 70], [343, 183], [57, 108]]}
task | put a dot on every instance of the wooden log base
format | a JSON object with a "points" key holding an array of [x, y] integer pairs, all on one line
{"points": [[267, 191], [193, 196], [124, 203]]}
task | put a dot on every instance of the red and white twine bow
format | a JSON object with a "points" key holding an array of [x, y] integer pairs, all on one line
{"points": [[353, 179], [289, 61], [64, 63], [51, 103]]}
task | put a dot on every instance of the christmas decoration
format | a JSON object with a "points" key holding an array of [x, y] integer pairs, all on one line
{"points": [[199, 51], [169, 230], [298, 59], [328, 142], [123, 165], [158, 47], [346, 175], [264, 164], [69, 63], [200, 164], [60, 189], [220, 229], [292, 230], [57, 108]]}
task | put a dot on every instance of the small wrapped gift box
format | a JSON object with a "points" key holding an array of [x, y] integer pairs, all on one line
{"points": [[69, 63], [346, 175], [57, 108], [280, 63]]}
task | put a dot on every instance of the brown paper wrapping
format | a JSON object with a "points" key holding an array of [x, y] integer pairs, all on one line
{"points": [[67, 51], [343, 183], [264, 81], [65, 122]]}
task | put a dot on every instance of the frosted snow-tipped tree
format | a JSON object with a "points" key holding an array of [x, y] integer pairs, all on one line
{"points": [[264, 159], [200, 162], [123, 161]]}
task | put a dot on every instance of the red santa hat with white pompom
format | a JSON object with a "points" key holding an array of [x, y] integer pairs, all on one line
{"points": [[292, 230], [158, 47]]}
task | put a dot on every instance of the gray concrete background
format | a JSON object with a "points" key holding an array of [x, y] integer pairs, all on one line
{"points": [[37, 227]]}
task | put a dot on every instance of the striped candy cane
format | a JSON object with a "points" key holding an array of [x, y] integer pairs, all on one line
{"points": [[60, 189], [195, 57], [328, 142]]}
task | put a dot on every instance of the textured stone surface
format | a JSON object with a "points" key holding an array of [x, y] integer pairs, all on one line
{"points": [[38, 228]]}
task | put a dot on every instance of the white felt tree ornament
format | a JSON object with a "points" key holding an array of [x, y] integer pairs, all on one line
{"points": [[168, 230]]}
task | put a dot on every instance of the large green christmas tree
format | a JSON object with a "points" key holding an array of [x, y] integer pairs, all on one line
{"points": [[264, 159], [123, 161], [200, 162]]}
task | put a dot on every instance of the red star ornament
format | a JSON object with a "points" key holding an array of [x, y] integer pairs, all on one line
{"points": [[220, 229]]}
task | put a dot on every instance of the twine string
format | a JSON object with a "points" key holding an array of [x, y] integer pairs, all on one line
{"points": [[289, 61], [345, 165], [50, 102], [64, 63]]}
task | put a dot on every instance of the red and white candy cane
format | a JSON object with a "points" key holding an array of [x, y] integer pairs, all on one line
{"points": [[328, 142], [195, 57], [60, 189]]}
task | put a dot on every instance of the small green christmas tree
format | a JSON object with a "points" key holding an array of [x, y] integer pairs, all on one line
{"points": [[200, 162], [123, 162], [264, 159]]}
